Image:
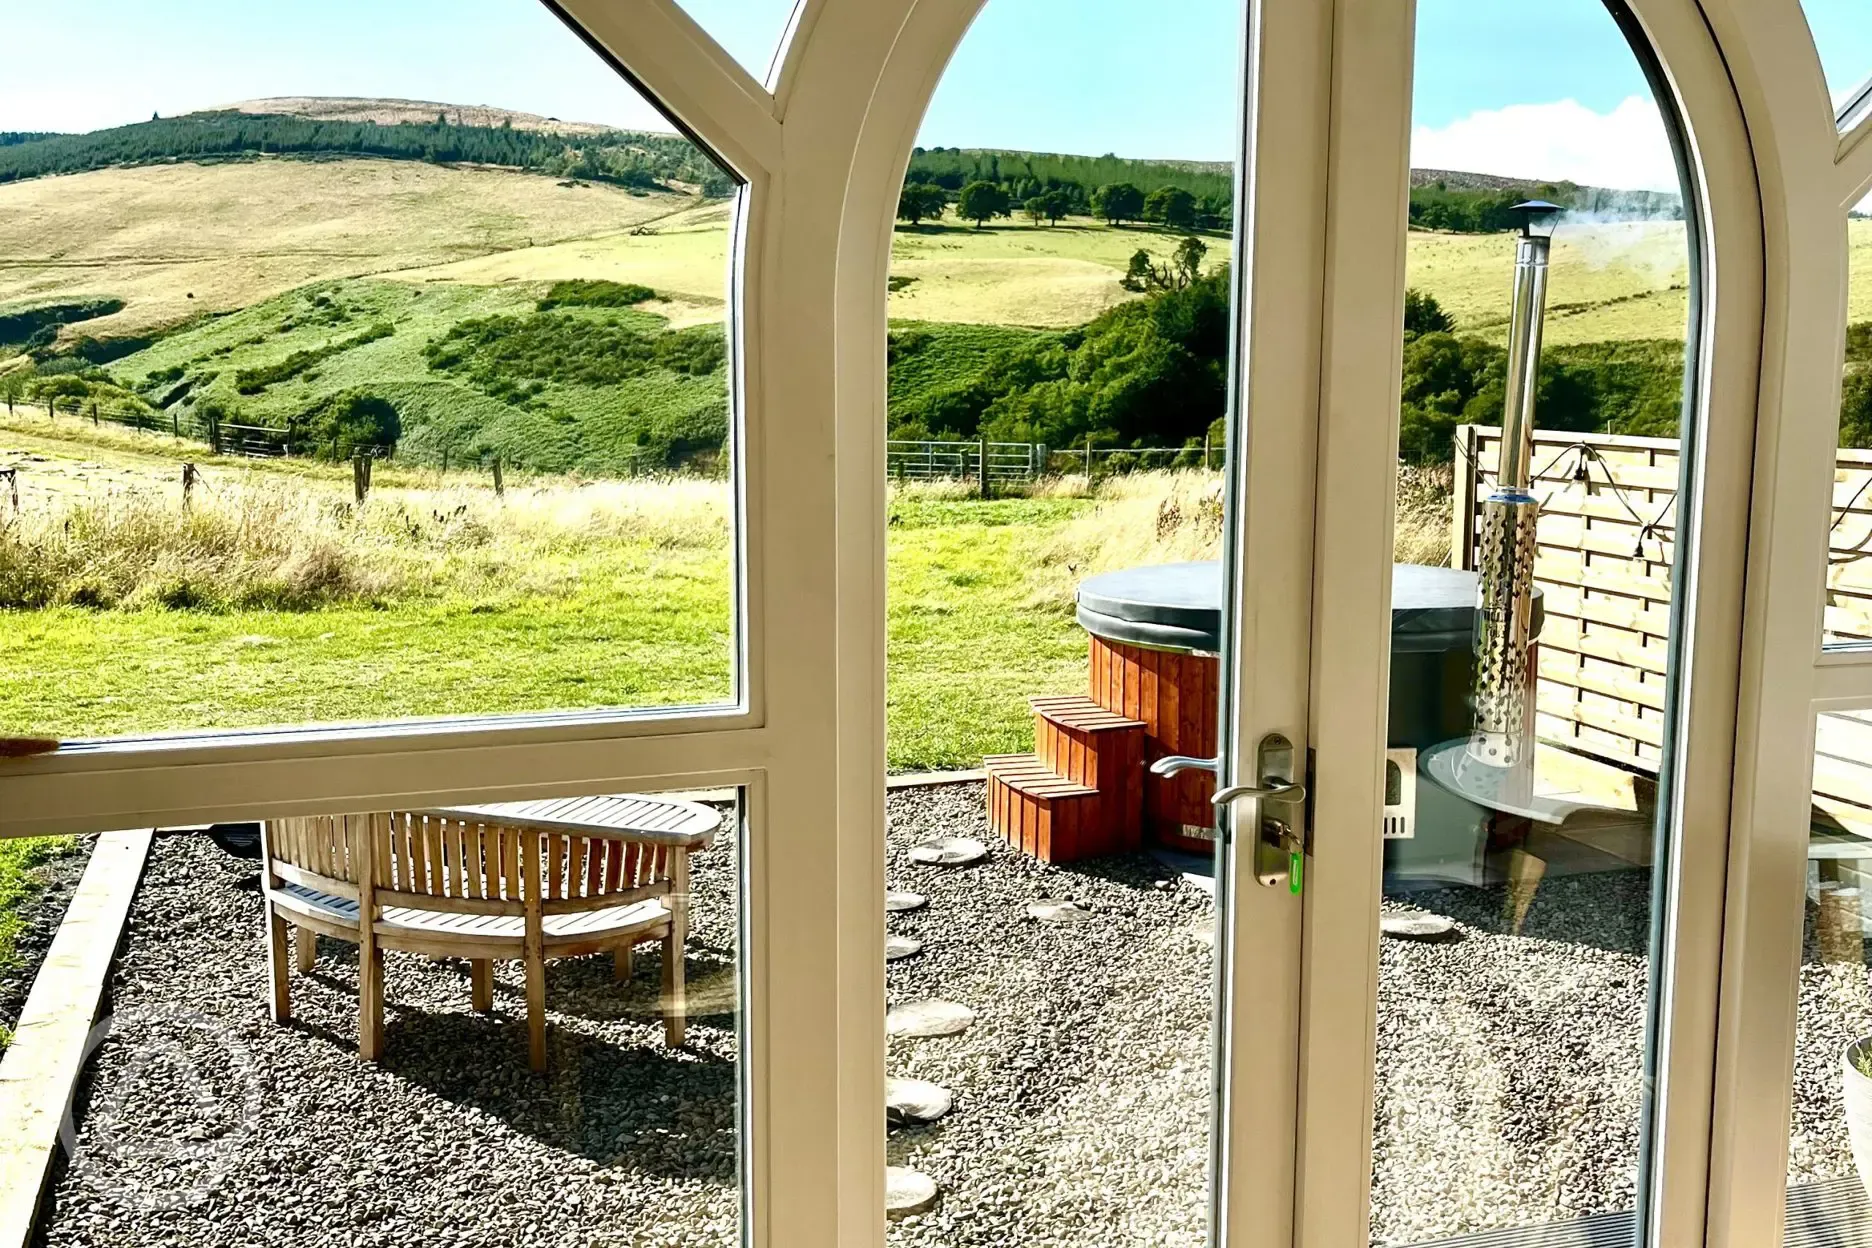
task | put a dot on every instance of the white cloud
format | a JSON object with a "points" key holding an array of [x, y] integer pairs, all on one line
{"points": [[1626, 149]]}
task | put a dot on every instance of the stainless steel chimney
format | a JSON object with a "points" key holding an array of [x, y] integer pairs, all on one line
{"points": [[1504, 684]]}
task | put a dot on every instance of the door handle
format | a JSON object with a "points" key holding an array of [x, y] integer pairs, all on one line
{"points": [[1280, 850], [1273, 791], [1176, 764]]}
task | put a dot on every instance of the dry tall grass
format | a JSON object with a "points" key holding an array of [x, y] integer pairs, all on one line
{"points": [[1169, 517], [264, 541], [267, 543]]}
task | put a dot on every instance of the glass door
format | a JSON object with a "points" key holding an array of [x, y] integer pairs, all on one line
{"points": [[1483, 615]]}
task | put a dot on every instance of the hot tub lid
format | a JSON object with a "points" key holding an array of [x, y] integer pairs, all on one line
{"points": [[1177, 606]]}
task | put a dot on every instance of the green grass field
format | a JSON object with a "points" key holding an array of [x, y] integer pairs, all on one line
{"points": [[614, 597]]}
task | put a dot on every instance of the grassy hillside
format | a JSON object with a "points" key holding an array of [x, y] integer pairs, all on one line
{"points": [[537, 404], [1612, 282], [175, 242]]}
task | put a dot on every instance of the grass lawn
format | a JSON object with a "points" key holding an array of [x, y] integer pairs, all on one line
{"points": [[542, 615], [967, 648]]}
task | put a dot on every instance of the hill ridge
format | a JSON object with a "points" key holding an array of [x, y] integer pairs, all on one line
{"points": [[391, 110]]}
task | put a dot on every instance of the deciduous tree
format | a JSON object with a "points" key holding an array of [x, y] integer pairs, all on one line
{"points": [[921, 201], [1171, 205], [1118, 202], [981, 201]]}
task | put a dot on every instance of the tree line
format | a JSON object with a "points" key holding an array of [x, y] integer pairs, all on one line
{"points": [[1115, 203], [1437, 205], [624, 158], [1045, 186]]}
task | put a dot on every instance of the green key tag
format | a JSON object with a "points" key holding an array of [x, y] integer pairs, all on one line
{"points": [[1296, 864]]}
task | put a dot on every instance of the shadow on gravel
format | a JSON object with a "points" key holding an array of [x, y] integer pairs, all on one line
{"points": [[1608, 910], [667, 1111]]}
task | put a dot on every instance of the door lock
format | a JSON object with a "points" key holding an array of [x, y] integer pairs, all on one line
{"points": [[1280, 850]]}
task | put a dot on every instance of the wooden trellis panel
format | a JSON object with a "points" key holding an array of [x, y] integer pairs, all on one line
{"points": [[1849, 555], [1606, 541]]}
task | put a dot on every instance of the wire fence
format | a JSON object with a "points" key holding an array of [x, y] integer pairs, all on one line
{"points": [[1004, 463], [990, 464]]}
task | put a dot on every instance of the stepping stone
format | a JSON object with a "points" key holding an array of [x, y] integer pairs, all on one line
{"points": [[902, 903], [908, 1101], [1058, 912], [928, 1017], [898, 947], [1417, 927], [949, 851], [907, 1191]]}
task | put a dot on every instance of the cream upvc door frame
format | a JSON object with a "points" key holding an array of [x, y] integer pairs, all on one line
{"points": [[1355, 97], [1809, 176], [812, 1139]]}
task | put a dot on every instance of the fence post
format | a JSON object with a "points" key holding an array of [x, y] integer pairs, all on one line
{"points": [[360, 475], [188, 484], [982, 463], [1037, 466], [12, 480], [175, 424], [1205, 452], [1088, 457], [1462, 503], [214, 432], [94, 419], [500, 488]]}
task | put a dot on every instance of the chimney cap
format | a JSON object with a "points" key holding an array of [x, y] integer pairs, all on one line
{"points": [[1538, 217]]}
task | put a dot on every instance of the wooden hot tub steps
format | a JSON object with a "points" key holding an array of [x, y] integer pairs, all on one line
{"points": [[1082, 741], [1038, 811], [1080, 793]]}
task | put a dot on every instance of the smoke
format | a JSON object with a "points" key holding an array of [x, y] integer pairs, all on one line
{"points": [[1650, 246]]}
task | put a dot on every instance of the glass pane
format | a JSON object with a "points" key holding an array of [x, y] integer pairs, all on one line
{"points": [[1842, 31], [1848, 619], [204, 1122], [1830, 1151], [334, 406], [1050, 400], [1531, 630], [748, 30]]}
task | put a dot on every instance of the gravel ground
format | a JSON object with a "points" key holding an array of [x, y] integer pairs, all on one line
{"points": [[204, 1124], [1509, 1072], [39, 917], [1835, 1010], [1510, 1068], [1081, 1112]]}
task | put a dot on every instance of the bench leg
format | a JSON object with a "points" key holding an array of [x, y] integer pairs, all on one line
{"points": [[621, 964], [305, 950], [281, 1010], [675, 992], [536, 1009], [481, 983], [370, 999]]}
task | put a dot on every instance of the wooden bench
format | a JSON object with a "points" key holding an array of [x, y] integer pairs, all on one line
{"points": [[519, 880]]}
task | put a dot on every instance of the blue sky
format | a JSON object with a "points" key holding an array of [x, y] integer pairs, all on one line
{"points": [[1503, 86]]}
